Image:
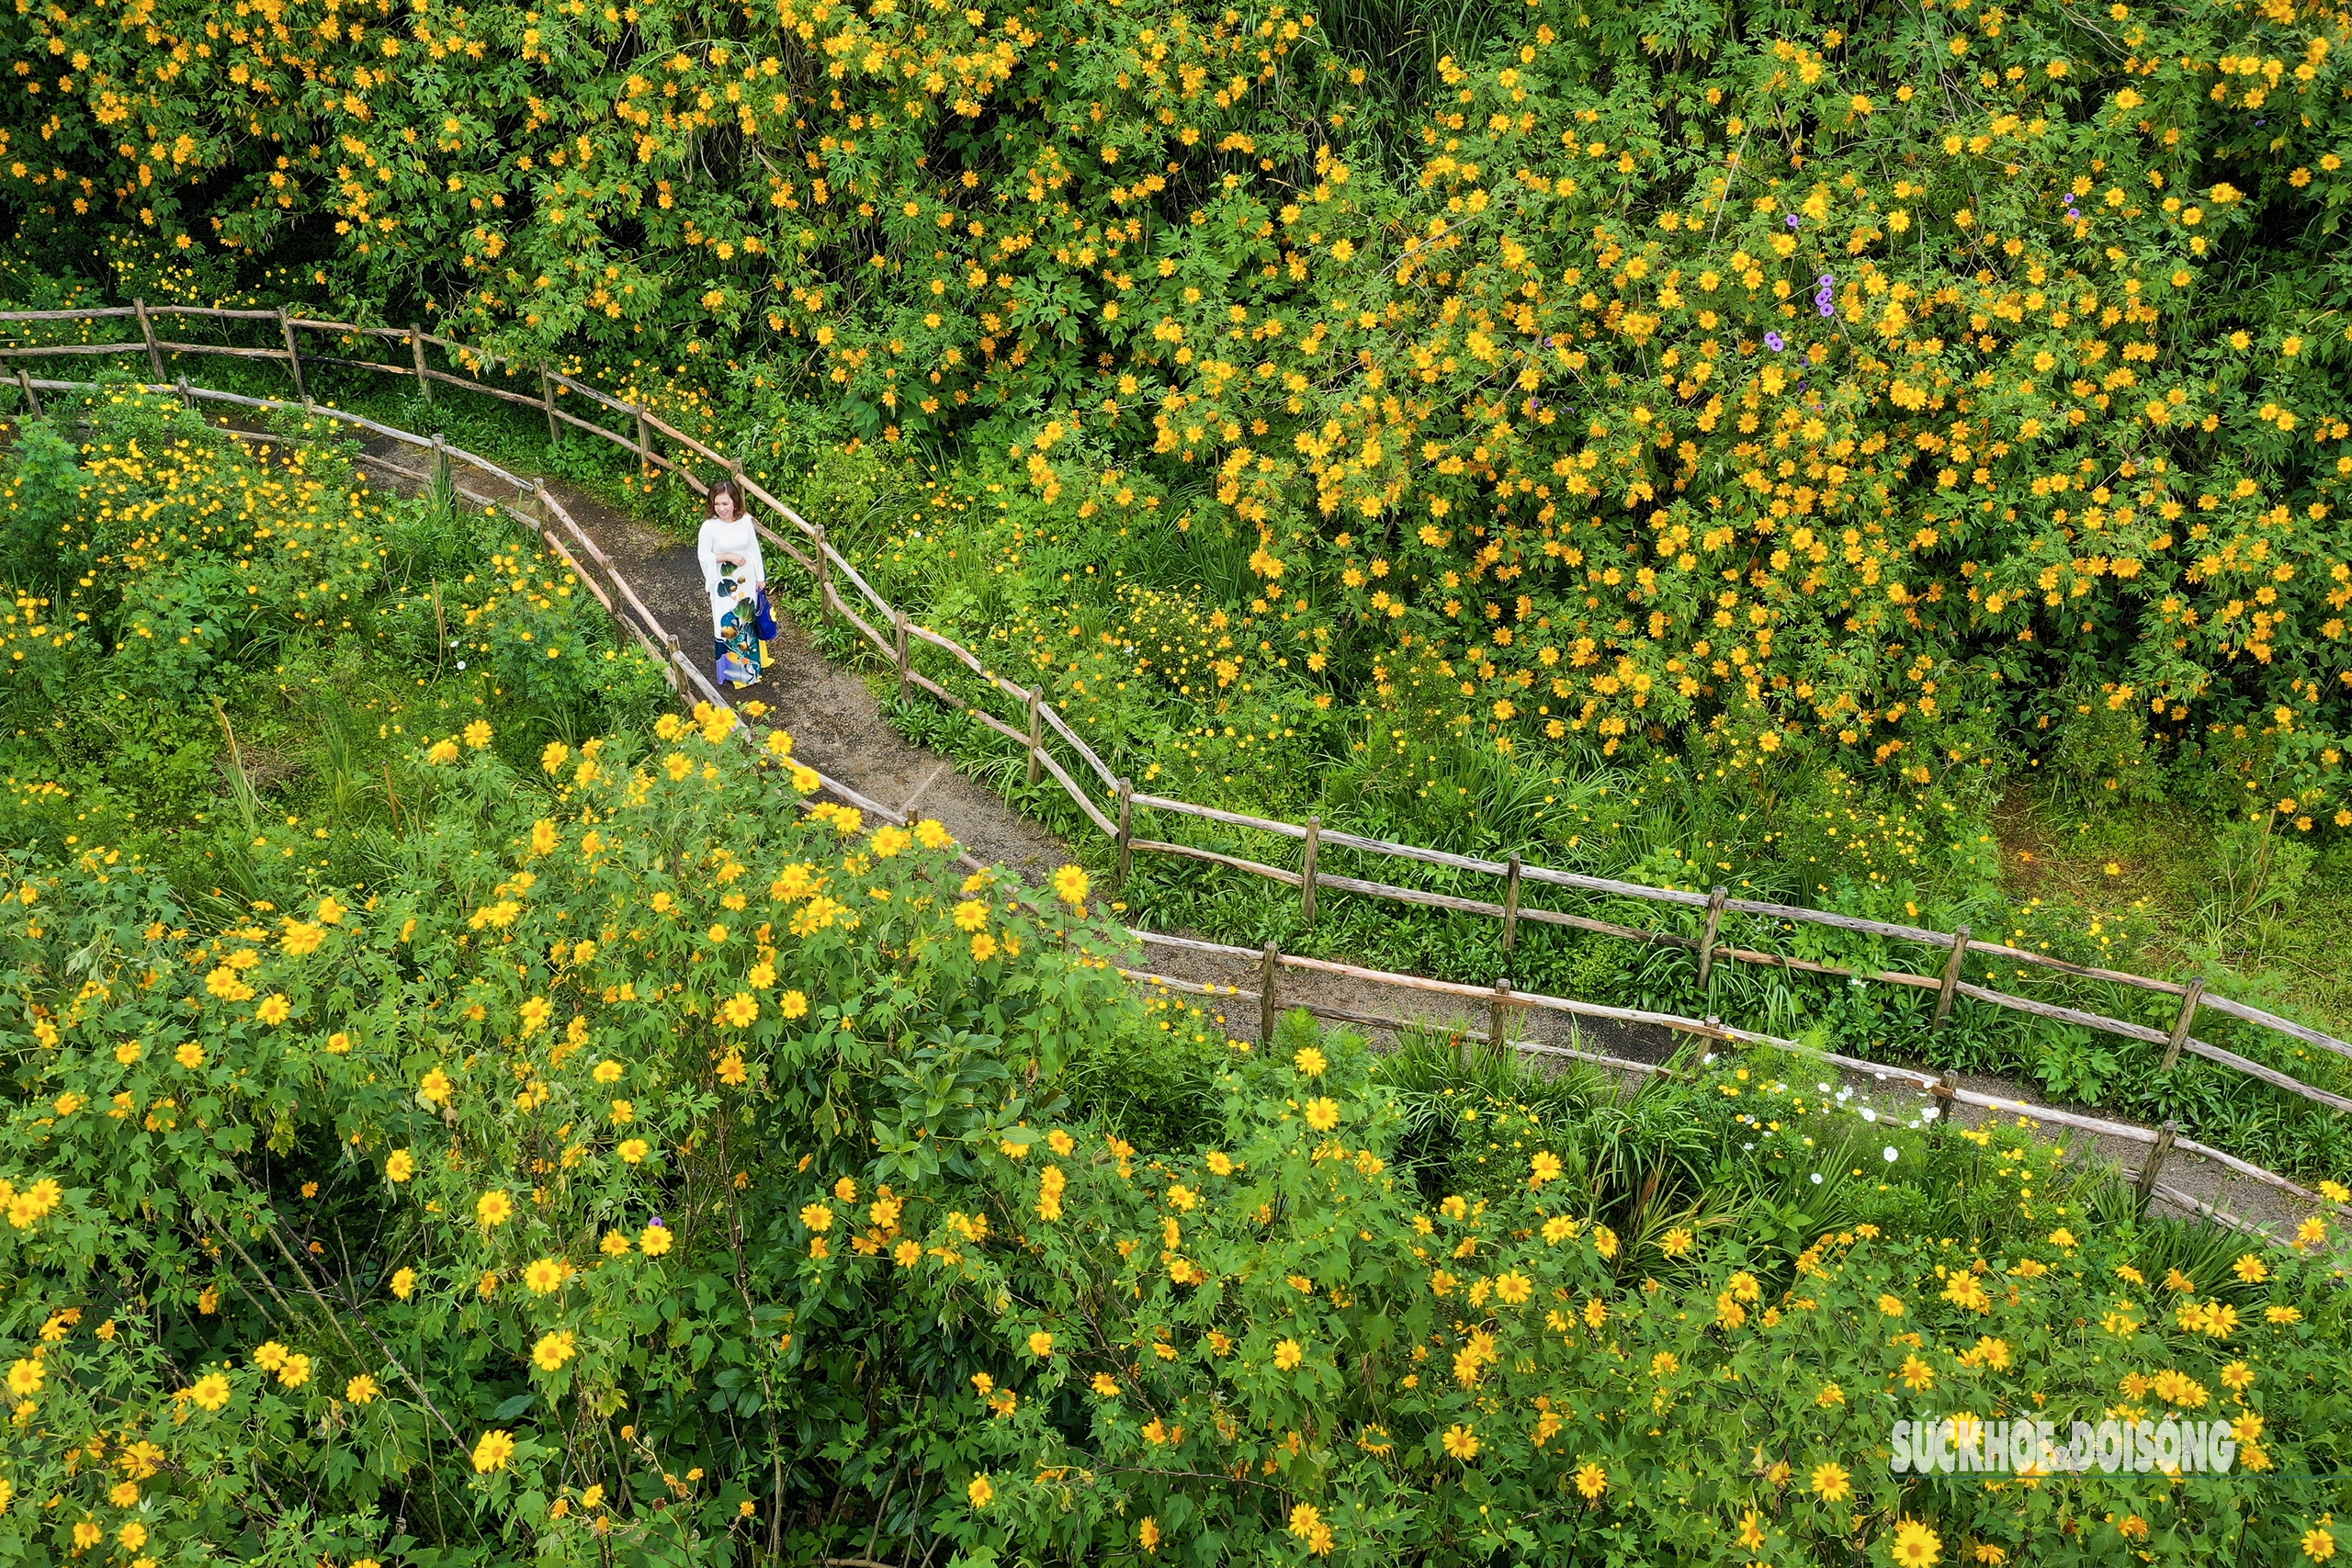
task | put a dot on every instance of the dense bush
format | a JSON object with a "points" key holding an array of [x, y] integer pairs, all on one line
{"points": [[581, 1149], [167, 550], [645, 1174], [189, 605], [1274, 1337], [1748, 381]]}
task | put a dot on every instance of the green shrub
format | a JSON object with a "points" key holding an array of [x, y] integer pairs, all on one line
{"points": [[1271, 1350], [190, 609], [1961, 400], [649, 1168]]}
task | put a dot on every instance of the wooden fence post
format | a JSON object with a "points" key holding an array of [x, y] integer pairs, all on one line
{"points": [[24, 383], [1306, 862], [824, 577], [644, 444], [1269, 966], [1510, 907], [147, 330], [2145, 1187], [441, 468], [1707, 937], [1036, 737], [1952, 974], [899, 624], [416, 347], [293, 357], [546, 394], [2180, 1025], [1127, 832], [187, 398], [1498, 1018]]}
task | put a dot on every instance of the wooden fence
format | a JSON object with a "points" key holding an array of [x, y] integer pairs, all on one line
{"points": [[642, 433], [2160, 1141]]}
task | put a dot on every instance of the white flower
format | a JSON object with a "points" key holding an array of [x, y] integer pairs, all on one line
{"points": [[461, 664], [1747, 1145], [1869, 1114], [1821, 1086], [1816, 1178], [1928, 1113], [1890, 1154]]}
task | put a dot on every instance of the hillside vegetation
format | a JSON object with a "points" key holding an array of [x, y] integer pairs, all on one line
{"points": [[460, 1111], [1907, 389], [585, 1149]]}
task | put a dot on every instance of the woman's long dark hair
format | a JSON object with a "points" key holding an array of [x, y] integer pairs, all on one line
{"points": [[733, 493]]}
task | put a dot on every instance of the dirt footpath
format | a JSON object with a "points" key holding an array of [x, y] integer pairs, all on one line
{"points": [[834, 719]]}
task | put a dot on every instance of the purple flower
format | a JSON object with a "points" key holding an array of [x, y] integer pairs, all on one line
{"points": [[1792, 219], [1827, 308], [1773, 342], [1826, 281]]}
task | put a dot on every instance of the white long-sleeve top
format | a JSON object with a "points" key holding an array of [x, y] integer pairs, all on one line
{"points": [[737, 539]]}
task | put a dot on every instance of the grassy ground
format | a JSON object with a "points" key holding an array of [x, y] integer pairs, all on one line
{"points": [[2248, 910]]}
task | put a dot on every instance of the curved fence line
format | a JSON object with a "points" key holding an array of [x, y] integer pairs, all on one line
{"points": [[829, 567], [1943, 1086], [685, 678]]}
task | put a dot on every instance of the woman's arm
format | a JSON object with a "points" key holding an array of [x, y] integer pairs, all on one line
{"points": [[706, 552]]}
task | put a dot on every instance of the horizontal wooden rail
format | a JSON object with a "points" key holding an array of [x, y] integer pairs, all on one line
{"points": [[41, 350], [168, 346], [2303, 1033], [1709, 1029], [348, 329], [96, 312], [830, 566]]}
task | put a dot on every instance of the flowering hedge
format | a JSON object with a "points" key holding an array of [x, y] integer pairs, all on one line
{"points": [[518, 1076], [652, 1168], [1738, 382], [162, 551], [156, 564], [1271, 1341]]}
